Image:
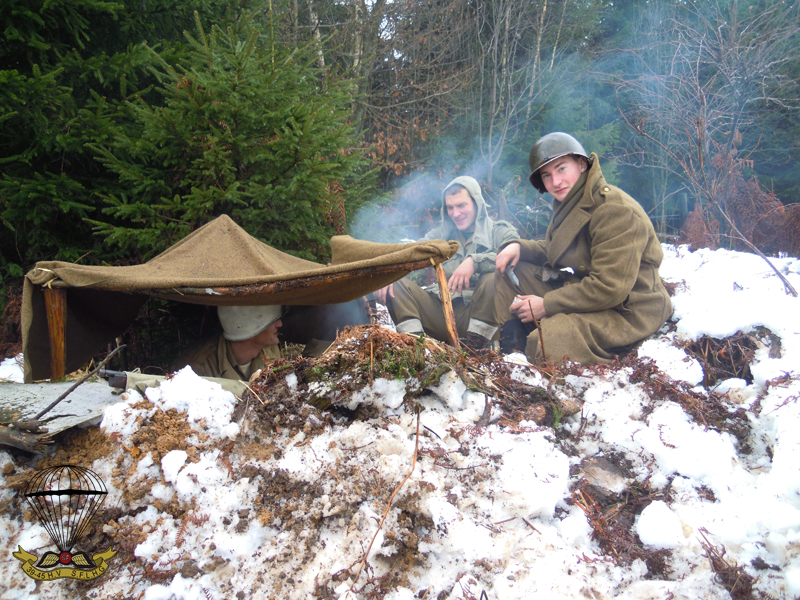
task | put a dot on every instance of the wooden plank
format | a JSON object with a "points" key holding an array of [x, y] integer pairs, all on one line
{"points": [[447, 307], [55, 301]]}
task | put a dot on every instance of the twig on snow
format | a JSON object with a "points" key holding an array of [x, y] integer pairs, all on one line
{"points": [[389, 504], [529, 525]]}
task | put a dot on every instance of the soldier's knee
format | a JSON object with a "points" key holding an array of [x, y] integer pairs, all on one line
{"points": [[405, 287]]}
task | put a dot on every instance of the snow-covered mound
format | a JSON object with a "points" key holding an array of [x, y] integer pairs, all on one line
{"points": [[413, 487], [11, 369]]}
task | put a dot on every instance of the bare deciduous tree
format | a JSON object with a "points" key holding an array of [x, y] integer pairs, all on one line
{"points": [[511, 36], [720, 66]]}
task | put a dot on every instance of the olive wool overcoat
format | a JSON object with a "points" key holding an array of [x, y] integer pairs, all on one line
{"points": [[214, 358], [597, 271]]}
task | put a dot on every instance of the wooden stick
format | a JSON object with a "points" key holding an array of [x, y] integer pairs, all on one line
{"points": [[389, 504], [55, 302], [30, 442], [447, 306], [541, 336], [80, 381]]}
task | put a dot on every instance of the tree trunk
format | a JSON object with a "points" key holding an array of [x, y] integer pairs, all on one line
{"points": [[558, 34], [535, 68], [366, 29], [314, 18]]}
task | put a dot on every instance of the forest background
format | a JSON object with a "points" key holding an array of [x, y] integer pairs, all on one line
{"points": [[126, 125]]}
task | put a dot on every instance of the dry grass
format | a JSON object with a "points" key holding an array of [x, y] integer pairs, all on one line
{"points": [[730, 574], [612, 526], [724, 358]]}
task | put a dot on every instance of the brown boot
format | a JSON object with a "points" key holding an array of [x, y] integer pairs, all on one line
{"points": [[513, 336]]}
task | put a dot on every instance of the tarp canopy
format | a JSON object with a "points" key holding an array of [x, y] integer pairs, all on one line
{"points": [[218, 264]]}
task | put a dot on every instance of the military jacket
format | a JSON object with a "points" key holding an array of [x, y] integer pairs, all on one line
{"points": [[481, 245], [214, 358], [607, 254]]}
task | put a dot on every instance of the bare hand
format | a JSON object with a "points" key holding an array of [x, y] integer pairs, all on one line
{"points": [[527, 307], [459, 280], [384, 293], [507, 256]]}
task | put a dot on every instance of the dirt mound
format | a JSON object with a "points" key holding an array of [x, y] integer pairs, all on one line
{"points": [[365, 353]]}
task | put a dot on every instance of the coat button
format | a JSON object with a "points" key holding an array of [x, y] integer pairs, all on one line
{"points": [[605, 189], [582, 269]]}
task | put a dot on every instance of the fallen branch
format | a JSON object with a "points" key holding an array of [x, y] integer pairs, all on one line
{"points": [[80, 381], [389, 504], [788, 288]]}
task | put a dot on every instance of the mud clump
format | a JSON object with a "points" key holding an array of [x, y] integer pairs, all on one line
{"points": [[166, 431], [272, 406], [80, 447]]}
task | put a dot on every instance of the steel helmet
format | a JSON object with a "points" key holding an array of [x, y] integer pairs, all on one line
{"points": [[547, 149], [243, 322]]}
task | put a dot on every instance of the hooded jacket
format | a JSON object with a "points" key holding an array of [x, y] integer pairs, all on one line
{"points": [[481, 245]]}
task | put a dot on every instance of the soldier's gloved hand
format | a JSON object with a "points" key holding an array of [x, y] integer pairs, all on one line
{"points": [[459, 280], [507, 256], [385, 292]]}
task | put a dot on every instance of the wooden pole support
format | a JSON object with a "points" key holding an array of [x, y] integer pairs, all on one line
{"points": [[447, 307], [55, 301]]}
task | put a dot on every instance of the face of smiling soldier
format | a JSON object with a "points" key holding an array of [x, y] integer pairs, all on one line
{"points": [[461, 208]]}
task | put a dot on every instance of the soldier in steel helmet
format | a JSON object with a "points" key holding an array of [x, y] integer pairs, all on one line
{"points": [[249, 340], [592, 284]]}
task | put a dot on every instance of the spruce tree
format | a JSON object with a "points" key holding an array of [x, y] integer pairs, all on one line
{"points": [[66, 67], [247, 128]]}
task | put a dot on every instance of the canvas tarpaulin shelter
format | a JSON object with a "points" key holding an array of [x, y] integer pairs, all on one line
{"points": [[218, 264]]}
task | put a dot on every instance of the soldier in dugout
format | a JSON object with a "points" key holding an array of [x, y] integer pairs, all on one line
{"points": [[249, 341]]}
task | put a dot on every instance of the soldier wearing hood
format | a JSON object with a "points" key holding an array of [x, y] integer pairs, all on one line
{"points": [[470, 273]]}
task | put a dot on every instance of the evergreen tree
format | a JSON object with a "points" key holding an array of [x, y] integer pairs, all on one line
{"points": [[248, 128], [66, 66], [43, 192]]}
